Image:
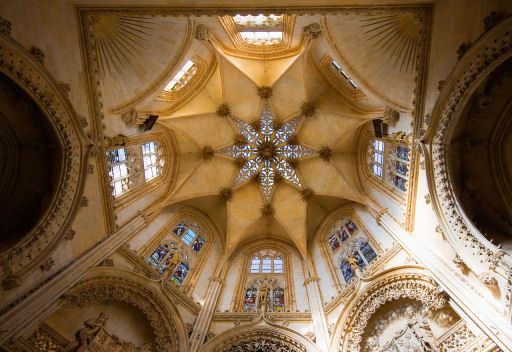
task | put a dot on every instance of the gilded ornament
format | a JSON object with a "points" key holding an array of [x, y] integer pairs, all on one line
{"points": [[224, 110], [226, 193]]}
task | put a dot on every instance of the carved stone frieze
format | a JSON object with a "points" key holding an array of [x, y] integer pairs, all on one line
{"points": [[261, 340], [411, 286], [122, 290]]}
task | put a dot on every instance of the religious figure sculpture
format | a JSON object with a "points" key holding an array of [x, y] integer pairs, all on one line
{"points": [[85, 335], [262, 296], [421, 329], [354, 263]]}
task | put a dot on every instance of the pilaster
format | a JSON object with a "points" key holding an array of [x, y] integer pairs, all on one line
{"points": [[317, 313]]}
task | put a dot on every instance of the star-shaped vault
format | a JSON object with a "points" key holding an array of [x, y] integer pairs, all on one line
{"points": [[266, 150]]}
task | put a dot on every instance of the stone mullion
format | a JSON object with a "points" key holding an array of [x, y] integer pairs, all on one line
{"points": [[205, 315], [329, 261]]}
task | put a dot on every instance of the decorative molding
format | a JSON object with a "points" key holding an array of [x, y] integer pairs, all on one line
{"points": [[402, 286], [487, 53], [105, 289], [42, 240]]}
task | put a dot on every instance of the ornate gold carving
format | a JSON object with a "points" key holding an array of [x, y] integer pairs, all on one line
{"points": [[411, 286], [207, 153], [226, 193], [313, 31], [264, 92], [307, 193], [267, 210], [325, 153], [224, 110]]}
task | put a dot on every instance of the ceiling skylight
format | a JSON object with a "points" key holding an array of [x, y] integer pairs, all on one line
{"points": [[260, 30], [262, 38], [182, 77]]}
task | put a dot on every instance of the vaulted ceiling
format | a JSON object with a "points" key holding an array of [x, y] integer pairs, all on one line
{"points": [[136, 53]]}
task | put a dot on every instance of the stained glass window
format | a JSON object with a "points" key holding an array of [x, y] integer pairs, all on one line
{"points": [[255, 265], [156, 257], [346, 271], [400, 183], [182, 77], [333, 241], [198, 243], [278, 265], [278, 300], [250, 299], [351, 226], [402, 152], [180, 274], [266, 266], [151, 160], [180, 228], [118, 171], [188, 237], [401, 168], [166, 263], [368, 252], [360, 260]]}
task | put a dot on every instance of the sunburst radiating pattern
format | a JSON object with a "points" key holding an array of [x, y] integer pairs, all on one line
{"points": [[266, 151], [397, 36]]}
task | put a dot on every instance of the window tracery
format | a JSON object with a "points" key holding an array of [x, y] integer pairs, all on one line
{"points": [[260, 30], [152, 160], [267, 261], [183, 76], [264, 290], [118, 170], [177, 252], [348, 249], [388, 161]]}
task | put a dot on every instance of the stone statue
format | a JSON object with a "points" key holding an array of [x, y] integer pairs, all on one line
{"points": [[85, 335], [263, 294], [354, 263], [422, 330]]}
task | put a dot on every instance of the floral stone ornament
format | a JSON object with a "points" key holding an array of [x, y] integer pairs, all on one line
{"points": [[266, 151]]}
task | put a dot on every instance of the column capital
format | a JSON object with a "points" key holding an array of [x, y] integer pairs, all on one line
{"points": [[216, 279]]}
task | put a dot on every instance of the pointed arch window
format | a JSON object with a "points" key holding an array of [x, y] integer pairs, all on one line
{"points": [[377, 157], [176, 254], [343, 73]]}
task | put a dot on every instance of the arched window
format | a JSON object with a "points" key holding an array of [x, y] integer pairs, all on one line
{"points": [[125, 163], [342, 72], [178, 251], [181, 79], [118, 171], [388, 161], [266, 262], [264, 290]]}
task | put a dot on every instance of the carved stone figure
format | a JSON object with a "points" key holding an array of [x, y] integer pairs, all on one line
{"points": [[85, 335]]}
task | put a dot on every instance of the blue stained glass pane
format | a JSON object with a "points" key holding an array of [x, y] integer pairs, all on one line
{"points": [[180, 228], [158, 255], [360, 260], [401, 168], [402, 152], [180, 274], [343, 235], [250, 299], [189, 236], [346, 271], [368, 252], [351, 226], [400, 183], [198, 243], [333, 241], [279, 300]]}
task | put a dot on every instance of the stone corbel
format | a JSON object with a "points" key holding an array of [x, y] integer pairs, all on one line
{"points": [[313, 31]]}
